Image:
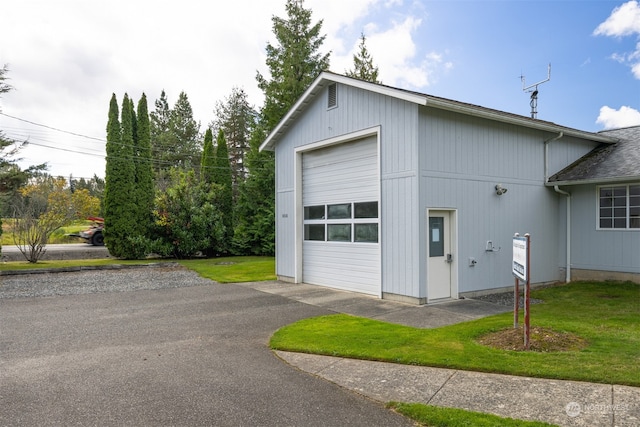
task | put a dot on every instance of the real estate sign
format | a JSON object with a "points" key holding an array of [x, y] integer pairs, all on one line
{"points": [[520, 257]]}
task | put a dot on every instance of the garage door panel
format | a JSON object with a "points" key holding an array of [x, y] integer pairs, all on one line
{"points": [[344, 173]]}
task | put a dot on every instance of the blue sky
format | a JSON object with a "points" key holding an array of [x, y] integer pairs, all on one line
{"points": [[66, 58]]}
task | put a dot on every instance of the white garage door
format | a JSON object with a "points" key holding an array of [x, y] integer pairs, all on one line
{"points": [[340, 194]]}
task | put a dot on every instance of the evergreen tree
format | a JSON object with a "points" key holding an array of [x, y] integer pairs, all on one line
{"points": [[222, 177], [143, 170], [237, 118], [185, 131], [174, 138], [293, 65], [363, 67], [294, 62], [119, 202], [208, 160]]}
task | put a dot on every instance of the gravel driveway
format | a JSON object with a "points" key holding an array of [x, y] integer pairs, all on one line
{"points": [[157, 346]]}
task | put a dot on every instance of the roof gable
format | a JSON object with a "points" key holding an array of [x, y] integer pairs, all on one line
{"points": [[328, 77]]}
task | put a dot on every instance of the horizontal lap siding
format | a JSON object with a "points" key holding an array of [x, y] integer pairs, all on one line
{"points": [[342, 173]]}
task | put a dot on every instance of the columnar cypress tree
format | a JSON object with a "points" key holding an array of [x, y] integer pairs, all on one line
{"points": [[208, 160], [143, 169], [120, 176], [222, 176]]}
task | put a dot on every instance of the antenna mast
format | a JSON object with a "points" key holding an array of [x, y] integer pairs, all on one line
{"points": [[533, 89]]}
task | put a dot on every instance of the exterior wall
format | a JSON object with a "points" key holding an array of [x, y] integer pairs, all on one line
{"points": [[462, 158], [434, 159], [601, 250], [399, 218]]}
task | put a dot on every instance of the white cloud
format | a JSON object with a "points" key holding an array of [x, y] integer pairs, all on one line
{"points": [[395, 51], [623, 117], [623, 21]]}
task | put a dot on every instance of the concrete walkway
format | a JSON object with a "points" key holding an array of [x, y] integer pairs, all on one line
{"points": [[565, 403]]}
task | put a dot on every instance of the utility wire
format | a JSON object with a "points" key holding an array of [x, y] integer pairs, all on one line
{"points": [[52, 128]]}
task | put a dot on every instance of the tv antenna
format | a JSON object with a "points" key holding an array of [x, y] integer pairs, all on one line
{"points": [[533, 89]]}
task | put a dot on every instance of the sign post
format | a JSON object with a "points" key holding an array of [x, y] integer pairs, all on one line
{"points": [[521, 271]]}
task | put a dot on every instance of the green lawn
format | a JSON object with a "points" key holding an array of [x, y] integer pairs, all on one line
{"points": [[605, 314], [436, 416], [234, 269], [223, 270]]}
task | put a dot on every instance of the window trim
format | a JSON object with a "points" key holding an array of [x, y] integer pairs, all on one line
{"points": [[352, 221], [627, 206]]}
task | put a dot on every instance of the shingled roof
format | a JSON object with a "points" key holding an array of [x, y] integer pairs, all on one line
{"points": [[606, 163]]}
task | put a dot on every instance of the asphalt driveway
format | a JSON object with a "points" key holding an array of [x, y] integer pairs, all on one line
{"points": [[185, 356]]}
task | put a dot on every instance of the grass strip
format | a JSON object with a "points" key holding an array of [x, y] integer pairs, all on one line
{"points": [[435, 416]]}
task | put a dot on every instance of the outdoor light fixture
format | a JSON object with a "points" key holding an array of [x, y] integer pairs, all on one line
{"points": [[500, 190]]}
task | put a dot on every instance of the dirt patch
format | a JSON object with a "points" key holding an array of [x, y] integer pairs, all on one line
{"points": [[541, 340]]}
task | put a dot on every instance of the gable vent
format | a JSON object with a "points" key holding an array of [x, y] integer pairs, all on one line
{"points": [[332, 98]]}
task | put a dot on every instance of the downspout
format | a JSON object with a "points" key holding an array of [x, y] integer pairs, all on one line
{"points": [[564, 193], [546, 155], [568, 267]]}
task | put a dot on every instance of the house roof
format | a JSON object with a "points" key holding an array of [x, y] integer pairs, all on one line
{"points": [[606, 163], [328, 77]]}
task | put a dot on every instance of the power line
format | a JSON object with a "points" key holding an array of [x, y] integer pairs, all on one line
{"points": [[52, 128]]}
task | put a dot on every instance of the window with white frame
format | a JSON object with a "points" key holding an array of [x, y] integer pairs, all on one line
{"points": [[619, 207], [342, 222]]}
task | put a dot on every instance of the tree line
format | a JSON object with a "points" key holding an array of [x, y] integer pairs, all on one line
{"points": [[172, 191]]}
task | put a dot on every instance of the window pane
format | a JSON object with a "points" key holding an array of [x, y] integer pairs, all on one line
{"points": [[619, 201], [606, 192], [606, 202], [436, 236], [339, 211], [365, 210], [620, 223], [314, 232], [606, 212], [606, 223], [366, 233], [620, 212], [339, 232], [314, 212], [620, 191], [634, 190], [634, 201], [634, 222]]}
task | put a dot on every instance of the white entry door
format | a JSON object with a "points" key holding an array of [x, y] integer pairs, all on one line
{"points": [[440, 256]]}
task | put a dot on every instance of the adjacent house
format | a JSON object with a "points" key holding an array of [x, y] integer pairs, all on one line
{"points": [[416, 198]]}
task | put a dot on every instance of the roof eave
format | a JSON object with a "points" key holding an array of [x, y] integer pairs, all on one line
{"points": [[589, 181]]}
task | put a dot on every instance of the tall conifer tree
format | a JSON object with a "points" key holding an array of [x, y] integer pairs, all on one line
{"points": [[144, 187], [119, 199], [208, 160], [363, 67], [294, 62], [222, 176]]}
